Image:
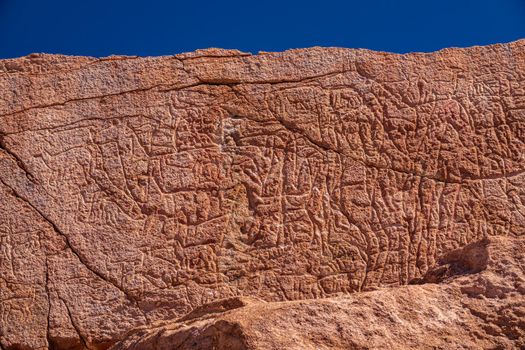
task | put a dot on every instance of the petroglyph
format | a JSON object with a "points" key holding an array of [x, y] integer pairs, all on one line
{"points": [[137, 189]]}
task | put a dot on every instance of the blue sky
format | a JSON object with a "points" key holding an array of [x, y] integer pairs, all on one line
{"points": [[101, 28]]}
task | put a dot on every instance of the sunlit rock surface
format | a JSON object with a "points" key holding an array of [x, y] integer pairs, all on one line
{"points": [[138, 194]]}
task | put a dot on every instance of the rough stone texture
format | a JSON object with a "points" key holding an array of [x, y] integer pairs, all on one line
{"points": [[480, 305], [135, 190]]}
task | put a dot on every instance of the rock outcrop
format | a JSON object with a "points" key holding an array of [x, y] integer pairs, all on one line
{"points": [[479, 304], [135, 191]]}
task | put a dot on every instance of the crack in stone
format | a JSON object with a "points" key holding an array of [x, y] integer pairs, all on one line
{"points": [[75, 326], [18, 161], [73, 250], [171, 88], [63, 103], [376, 166], [201, 81], [365, 163], [225, 82], [50, 344], [214, 57]]}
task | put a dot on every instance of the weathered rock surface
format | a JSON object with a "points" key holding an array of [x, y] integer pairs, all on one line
{"points": [[479, 305], [136, 190]]}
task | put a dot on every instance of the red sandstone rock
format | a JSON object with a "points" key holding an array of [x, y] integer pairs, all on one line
{"points": [[480, 305], [135, 190]]}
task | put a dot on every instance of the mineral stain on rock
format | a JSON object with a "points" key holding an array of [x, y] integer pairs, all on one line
{"points": [[309, 199]]}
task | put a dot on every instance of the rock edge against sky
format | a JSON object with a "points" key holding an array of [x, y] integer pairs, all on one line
{"points": [[236, 200]]}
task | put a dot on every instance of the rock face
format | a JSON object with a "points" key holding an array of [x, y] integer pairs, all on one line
{"points": [[479, 305], [135, 191]]}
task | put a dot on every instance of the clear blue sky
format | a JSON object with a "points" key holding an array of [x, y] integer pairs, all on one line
{"points": [[104, 27]]}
